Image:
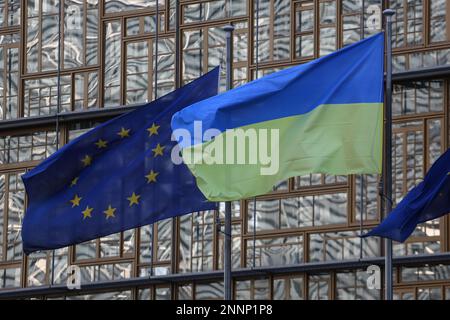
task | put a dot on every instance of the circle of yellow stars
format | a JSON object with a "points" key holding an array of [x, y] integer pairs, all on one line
{"points": [[134, 198]]}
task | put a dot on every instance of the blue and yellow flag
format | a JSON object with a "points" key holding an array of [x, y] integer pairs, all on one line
{"points": [[119, 175], [324, 116], [429, 200]]}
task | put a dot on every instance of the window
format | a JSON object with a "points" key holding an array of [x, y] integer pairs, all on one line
{"points": [[358, 22], [439, 13], [105, 272], [327, 27], [304, 29], [144, 62], [298, 212], [289, 288], [416, 145], [204, 49], [9, 76], [407, 22], [10, 277], [209, 291], [418, 97], [197, 242], [369, 197], [272, 41], [319, 287], [9, 13], [80, 34], [352, 21], [254, 289], [144, 25], [317, 179], [341, 245], [41, 96], [112, 68], [12, 208], [279, 251], [425, 273], [236, 232], [39, 267], [27, 147], [212, 10], [112, 6], [352, 285]]}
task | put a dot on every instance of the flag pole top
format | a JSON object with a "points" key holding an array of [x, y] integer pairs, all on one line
{"points": [[388, 13], [228, 28]]}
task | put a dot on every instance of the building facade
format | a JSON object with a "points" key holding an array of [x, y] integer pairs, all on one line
{"points": [[101, 57]]}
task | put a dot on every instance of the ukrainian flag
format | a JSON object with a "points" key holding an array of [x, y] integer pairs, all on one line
{"points": [[325, 116]]}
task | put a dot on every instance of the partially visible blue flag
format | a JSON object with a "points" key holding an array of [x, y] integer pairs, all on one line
{"points": [[427, 201], [116, 177]]}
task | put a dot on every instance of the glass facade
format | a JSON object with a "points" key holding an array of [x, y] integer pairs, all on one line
{"points": [[128, 52]]}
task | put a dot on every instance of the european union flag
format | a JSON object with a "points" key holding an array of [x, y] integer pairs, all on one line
{"points": [[118, 176], [427, 201]]}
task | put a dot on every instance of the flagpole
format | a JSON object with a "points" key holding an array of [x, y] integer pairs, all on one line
{"points": [[227, 232], [388, 13]]}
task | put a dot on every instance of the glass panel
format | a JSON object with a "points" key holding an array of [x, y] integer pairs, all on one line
{"points": [[425, 273], [275, 251], [290, 288], [209, 291], [27, 147], [273, 41], [438, 22], [40, 96], [341, 246], [9, 13], [126, 5], [369, 197], [16, 209], [407, 22], [352, 285], [80, 33], [212, 10], [9, 76], [112, 63], [9, 278], [319, 287], [197, 242]]}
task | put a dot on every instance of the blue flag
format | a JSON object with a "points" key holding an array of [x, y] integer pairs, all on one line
{"points": [[427, 201], [118, 176]]}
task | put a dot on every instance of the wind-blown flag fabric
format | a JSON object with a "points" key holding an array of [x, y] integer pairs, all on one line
{"points": [[429, 200], [328, 113], [115, 177]]}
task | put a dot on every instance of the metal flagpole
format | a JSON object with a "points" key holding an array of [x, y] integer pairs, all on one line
{"points": [[155, 73], [361, 205], [227, 243], [256, 77], [58, 110], [388, 13]]}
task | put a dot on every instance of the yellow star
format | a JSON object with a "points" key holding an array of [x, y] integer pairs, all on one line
{"points": [[76, 201], [153, 130], [101, 143], [134, 199], [151, 177], [448, 173], [87, 160], [87, 212], [110, 212], [158, 151], [123, 133], [74, 181]]}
